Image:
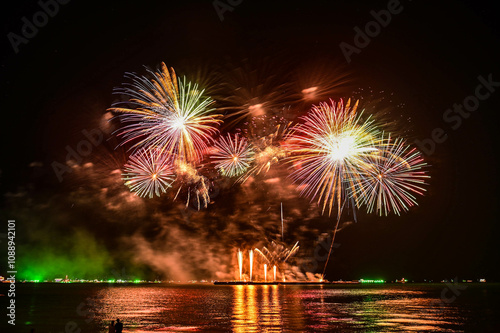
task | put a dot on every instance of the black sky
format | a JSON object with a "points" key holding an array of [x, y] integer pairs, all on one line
{"points": [[429, 57]]}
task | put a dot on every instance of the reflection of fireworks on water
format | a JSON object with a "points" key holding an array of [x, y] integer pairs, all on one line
{"points": [[390, 178], [233, 155], [170, 114], [328, 151], [148, 172]]}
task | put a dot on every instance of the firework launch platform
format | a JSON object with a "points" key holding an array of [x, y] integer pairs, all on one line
{"points": [[243, 283]]}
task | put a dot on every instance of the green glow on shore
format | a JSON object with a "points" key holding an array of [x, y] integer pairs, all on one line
{"points": [[78, 255]]}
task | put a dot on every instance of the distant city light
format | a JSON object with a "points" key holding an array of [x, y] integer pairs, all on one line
{"points": [[371, 281]]}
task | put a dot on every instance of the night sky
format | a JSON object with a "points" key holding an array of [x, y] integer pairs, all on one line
{"points": [[61, 82]]}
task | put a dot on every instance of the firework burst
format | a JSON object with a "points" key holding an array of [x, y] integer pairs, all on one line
{"points": [[196, 186], [268, 151], [391, 178], [277, 253], [329, 151], [233, 156], [167, 113], [148, 172]]}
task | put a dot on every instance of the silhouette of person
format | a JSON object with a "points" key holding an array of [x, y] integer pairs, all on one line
{"points": [[118, 326], [111, 327]]}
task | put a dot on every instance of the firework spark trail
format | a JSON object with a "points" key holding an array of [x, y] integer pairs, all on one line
{"points": [[391, 177], [265, 158], [250, 256], [189, 178], [240, 263], [331, 247], [282, 237], [277, 253], [170, 114], [233, 156], [148, 173]]}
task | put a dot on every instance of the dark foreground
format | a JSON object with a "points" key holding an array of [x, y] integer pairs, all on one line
{"points": [[255, 308]]}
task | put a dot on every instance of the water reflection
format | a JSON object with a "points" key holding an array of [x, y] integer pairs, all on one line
{"points": [[246, 316], [266, 308], [165, 309], [255, 308], [137, 307], [377, 310], [274, 308]]}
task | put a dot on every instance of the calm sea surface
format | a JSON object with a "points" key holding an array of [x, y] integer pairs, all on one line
{"points": [[197, 307]]}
